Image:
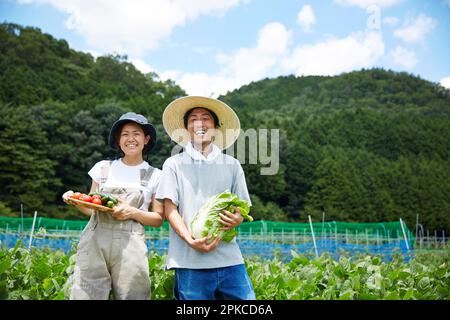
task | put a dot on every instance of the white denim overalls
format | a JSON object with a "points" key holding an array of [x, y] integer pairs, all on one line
{"points": [[112, 254]]}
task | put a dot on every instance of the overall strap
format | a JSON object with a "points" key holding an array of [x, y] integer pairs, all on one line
{"points": [[104, 173], [146, 174]]}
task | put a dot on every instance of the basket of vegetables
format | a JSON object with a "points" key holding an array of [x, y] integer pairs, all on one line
{"points": [[94, 200]]}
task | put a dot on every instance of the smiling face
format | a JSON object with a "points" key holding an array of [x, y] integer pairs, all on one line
{"points": [[201, 126], [132, 139]]}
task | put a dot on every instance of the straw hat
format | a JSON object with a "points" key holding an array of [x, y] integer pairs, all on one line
{"points": [[229, 125]]}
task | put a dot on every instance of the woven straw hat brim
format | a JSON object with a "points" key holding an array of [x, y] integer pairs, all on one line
{"points": [[229, 125]]}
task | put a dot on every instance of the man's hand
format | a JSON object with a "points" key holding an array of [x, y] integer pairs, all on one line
{"points": [[230, 220], [202, 244]]}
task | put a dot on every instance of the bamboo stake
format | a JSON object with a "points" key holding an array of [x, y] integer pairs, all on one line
{"points": [[32, 231], [313, 237]]}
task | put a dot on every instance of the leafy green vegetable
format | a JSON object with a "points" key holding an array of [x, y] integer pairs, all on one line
{"points": [[42, 274], [206, 221]]}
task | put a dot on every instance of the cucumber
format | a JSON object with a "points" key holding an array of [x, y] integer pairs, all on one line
{"points": [[105, 199], [113, 199]]}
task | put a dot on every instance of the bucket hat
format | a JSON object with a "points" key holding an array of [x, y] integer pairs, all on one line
{"points": [[148, 128], [229, 125]]}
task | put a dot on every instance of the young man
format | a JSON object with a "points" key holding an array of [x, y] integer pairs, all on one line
{"points": [[203, 269]]}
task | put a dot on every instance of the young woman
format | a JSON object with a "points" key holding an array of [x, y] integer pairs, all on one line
{"points": [[112, 253]]}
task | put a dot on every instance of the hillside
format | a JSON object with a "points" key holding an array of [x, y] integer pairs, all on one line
{"points": [[368, 145]]}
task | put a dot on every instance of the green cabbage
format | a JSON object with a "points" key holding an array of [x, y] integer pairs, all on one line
{"points": [[206, 221]]}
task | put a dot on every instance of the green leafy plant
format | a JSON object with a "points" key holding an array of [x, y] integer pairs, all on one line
{"points": [[46, 275], [206, 221]]}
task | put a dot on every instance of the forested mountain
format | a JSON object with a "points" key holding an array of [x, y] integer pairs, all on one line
{"points": [[57, 106], [370, 145]]}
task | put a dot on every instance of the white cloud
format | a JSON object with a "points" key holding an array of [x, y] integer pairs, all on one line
{"points": [[367, 3], [142, 66], [415, 30], [336, 55], [329, 57], [132, 26], [445, 82], [239, 68], [404, 57], [391, 21], [306, 18], [201, 83]]}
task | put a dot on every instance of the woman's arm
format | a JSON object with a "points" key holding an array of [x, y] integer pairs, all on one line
{"points": [[155, 218]]}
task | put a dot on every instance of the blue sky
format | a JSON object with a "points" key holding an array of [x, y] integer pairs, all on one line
{"points": [[210, 47]]}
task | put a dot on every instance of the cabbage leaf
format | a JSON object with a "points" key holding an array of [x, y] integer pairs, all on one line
{"points": [[206, 221]]}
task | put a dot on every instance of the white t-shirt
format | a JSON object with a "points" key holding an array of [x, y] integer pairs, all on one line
{"points": [[125, 176]]}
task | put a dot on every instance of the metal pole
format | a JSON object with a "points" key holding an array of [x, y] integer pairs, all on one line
{"points": [[32, 231], [313, 237], [21, 218], [323, 222], [367, 239], [335, 232], [421, 235], [404, 234], [435, 238], [443, 238], [417, 224]]}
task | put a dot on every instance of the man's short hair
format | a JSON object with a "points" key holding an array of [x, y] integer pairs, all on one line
{"points": [[188, 113]]}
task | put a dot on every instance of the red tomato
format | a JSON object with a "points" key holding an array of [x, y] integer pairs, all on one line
{"points": [[96, 200], [76, 195], [97, 196], [86, 198]]}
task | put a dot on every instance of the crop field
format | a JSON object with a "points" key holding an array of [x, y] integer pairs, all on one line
{"points": [[44, 274]]}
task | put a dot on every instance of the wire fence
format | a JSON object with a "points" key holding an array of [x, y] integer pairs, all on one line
{"points": [[266, 239], [265, 245]]}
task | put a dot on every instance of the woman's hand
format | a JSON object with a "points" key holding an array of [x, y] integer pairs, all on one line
{"points": [[67, 195], [123, 211], [80, 207], [230, 220]]}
